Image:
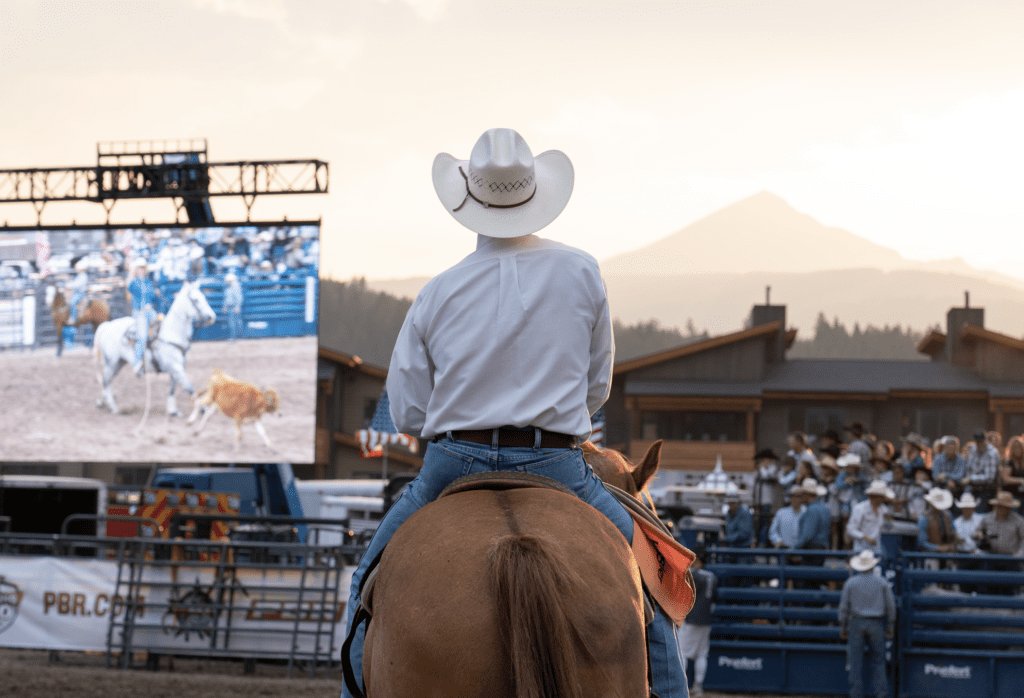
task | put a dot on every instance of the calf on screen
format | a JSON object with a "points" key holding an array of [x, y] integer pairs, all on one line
{"points": [[240, 401]]}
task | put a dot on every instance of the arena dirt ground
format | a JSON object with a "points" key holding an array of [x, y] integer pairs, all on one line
{"points": [[34, 674], [48, 407]]}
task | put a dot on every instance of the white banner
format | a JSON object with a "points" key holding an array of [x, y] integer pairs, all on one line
{"points": [[67, 603]]}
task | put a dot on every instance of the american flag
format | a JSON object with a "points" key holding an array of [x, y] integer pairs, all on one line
{"points": [[597, 428], [43, 252], [383, 431]]}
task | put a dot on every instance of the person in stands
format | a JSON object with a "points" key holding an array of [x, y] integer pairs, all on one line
{"points": [[739, 524], [982, 468], [1002, 531], [935, 531], [785, 526], [860, 445], [867, 517], [949, 467], [1011, 472], [867, 616]]}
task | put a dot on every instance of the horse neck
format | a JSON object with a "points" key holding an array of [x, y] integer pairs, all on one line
{"points": [[177, 325]]}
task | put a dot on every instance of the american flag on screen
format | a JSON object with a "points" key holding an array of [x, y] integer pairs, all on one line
{"points": [[383, 431], [43, 253], [597, 428]]}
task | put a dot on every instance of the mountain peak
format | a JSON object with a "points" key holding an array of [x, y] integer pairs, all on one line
{"points": [[759, 233]]}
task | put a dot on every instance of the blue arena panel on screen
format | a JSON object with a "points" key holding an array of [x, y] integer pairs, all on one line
{"points": [[228, 320]]}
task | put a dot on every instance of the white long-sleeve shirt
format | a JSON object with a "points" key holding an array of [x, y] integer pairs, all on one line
{"points": [[865, 522], [518, 333]]}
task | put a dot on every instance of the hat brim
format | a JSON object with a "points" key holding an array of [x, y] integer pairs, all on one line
{"points": [[1011, 503], [554, 176], [861, 565], [942, 504]]}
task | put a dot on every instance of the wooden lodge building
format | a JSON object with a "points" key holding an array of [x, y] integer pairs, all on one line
{"points": [[737, 393]]}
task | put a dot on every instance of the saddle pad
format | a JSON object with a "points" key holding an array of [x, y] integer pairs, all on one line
{"points": [[665, 567], [503, 480]]}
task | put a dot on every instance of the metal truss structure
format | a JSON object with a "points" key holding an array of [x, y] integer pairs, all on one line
{"points": [[177, 170]]}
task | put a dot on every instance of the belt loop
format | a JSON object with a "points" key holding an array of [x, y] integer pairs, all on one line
{"points": [[494, 438], [536, 438], [450, 437]]}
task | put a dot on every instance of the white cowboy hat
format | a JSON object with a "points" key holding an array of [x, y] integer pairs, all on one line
{"points": [[865, 561], [138, 262], [876, 487], [503, 190], [939, 498], [848, 459], [811, 486], [967, 501], [230, 276], [1005, 499]]}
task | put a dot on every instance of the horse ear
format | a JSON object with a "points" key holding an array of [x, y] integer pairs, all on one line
{"points": [[645, 471]]}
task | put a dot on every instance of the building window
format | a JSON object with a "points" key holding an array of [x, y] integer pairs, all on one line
{"points": [[369, 408], [694, 426], [1013, 425], [131, 475], [933, 424], [28, 469], [818, 420]]}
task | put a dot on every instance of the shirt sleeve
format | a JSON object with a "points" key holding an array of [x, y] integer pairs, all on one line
{"points": [[410, 377], [602, 356], [853, 525], [890, 610], [775, 530], [844, 608]]}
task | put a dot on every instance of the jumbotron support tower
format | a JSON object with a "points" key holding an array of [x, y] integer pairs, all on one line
{"points": [[172, 169]]}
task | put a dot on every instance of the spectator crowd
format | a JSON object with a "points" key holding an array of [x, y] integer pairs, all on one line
{"points": [[838, 495]]}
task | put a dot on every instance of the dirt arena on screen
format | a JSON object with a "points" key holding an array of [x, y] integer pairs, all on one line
{"points": [[48, 407]]}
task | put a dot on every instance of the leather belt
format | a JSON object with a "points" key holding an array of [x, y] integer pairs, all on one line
{"points": [[514, 437]]}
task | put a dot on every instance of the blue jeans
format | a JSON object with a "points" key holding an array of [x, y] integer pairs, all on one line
{"points": [[872, 632], [76, 298], [234, 324], [446, 461], [143, 318]]}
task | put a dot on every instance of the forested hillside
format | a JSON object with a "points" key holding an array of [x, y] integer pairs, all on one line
{"points": [[365, 323]]}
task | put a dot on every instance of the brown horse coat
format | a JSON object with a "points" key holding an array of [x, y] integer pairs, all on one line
{"points": [[94, 311], [518, 593]]}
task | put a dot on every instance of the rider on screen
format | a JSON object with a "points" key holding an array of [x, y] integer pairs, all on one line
{"points": [[143, 293]]}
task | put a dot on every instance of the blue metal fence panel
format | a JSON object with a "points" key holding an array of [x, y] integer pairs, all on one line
{"points": [[271, 307]]}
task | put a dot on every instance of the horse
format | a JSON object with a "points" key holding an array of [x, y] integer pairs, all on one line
{"points": [[509, 593], [115, 345], [94, 311]]}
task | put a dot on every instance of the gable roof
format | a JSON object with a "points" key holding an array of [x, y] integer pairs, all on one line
{"points": [[972, 333], [932, 343], [351, 362], [698, 347]]}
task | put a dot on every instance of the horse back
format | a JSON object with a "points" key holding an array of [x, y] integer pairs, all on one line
{"points": [[437, 603]]}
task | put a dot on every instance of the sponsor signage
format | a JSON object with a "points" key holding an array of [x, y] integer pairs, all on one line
{"points": [[943, 676], [67, 604]]}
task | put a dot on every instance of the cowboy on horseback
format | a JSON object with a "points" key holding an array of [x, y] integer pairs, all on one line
{"points": [[143, 294], [504, 357], [80, 286]]}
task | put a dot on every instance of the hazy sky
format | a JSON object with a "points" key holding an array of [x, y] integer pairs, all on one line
{"points": [[901, 122]]}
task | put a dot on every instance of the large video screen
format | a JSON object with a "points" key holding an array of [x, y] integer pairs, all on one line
{"points": [[225, 322]]}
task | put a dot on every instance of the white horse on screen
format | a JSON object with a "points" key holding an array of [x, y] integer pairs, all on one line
{"points": [[115, 345]]}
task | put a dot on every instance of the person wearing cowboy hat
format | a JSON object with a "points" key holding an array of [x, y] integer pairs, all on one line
{"points": [[867, 616], [768, 493], [784, 529], [915, 449], [967, 525], [232, 308], [867, 517], [504, 357], [142, 293], [739, 524], [815, 526], [935, 532], [1002, 531]]}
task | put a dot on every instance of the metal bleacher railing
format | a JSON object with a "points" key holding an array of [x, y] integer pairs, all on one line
{"points": [[960, 629]]}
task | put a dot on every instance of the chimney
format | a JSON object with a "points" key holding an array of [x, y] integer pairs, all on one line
{"points": [[956, 352], [764, 314]]}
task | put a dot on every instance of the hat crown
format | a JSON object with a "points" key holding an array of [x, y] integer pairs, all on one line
{"points": [[501, 169]]}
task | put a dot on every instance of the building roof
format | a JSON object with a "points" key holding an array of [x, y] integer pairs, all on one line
{"points": [[351, 362], [838, 377], [974, 332], [697, 347]]}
